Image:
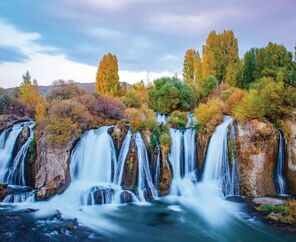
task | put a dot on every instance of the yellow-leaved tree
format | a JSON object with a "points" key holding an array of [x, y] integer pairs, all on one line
{"points": [[29, 91], [107, 80]]}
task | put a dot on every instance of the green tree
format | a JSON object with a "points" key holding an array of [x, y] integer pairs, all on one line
{"points": [[206, 86], [169, 93], [107, 80], [249, 68], [273, 61]]}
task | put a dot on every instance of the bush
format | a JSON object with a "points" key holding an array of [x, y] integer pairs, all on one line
{"points": [[109, 107], [169, 94], [234, 100], [131, 100], [165, 141], [250, 107], [210, 114], [178, 119], [206, 86], [65, 90]]}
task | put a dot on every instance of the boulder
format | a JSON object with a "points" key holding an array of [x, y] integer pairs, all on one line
{"points": [[52, 168], [4, 191], [126, 197], [256, 147], [269, 201], [289, 130]]}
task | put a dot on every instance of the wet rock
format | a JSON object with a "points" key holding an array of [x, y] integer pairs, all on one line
{"points": [[52, 168], [130, 170], [269, 201], [99, 195], [289, 131], [166, 175], [70, 227], [4, 191], [118, 134], [126, 197], [256, 145]]}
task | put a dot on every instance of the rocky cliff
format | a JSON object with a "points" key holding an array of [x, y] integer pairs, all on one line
{"points": [[257, 145], [289, 130]]}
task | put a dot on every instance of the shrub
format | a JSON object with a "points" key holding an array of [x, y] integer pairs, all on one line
{"points": [[206, 86], [131, 100], [165, 141], [109, 107], [178, 119], [210, 114], [234, 100], [169, 94], [65, 90], [250, 107]]}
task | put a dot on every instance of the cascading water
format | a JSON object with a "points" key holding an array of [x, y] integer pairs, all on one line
{"points": [[157, 169], [280, 181], [12, 168], [161, 119], [191, 121], [217, 171], [14, 174], [144, 176], [92, 169], [182, 158], [122, 157]]}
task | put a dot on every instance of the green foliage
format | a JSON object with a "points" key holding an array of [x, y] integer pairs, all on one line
{"points": [[178, 119], [250, 107], [131, 100], [206, 86], [154, 141], [169, 94], [249, 68], [273, 61], [165, 139]]}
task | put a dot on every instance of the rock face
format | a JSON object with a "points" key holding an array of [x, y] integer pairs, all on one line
{"points": [[4, 191], [166, 175], [289, 130], [256, 145], [52, 168], [118, 134], [130, 171]]}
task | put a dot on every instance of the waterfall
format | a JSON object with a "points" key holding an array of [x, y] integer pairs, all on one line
{"points": [[144, 175], [234, 185], [12, 168], [182, 158], [122, 157], [157, 169], [280, 181], [191, 121], [92, 168], [217, 171], [161, 119]]}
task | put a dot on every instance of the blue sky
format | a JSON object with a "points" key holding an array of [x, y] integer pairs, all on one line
{"points": [[67, 38]]}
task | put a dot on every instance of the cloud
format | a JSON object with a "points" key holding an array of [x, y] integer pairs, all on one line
{"points": [[48, 67], [12, 54], [193, 23], [101, 32]]}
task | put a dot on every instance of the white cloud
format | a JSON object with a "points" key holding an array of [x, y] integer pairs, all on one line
{"points": [[47, 68], [178, 23], [102, 32]]}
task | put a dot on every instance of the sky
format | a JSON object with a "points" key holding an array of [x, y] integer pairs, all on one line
{"points": [[66, 39]]}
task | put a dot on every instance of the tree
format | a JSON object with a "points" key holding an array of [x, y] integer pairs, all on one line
{"points": [[197, 70], [107, 80], [169, 94], [273, 61], [206, 86], [188, 67], [249, 68], [232, 74], [208, 64], [224, 47], [29, 92]]}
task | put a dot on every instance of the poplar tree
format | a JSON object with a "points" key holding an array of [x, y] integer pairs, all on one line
{"points": [[107, 80], [188, 67]]}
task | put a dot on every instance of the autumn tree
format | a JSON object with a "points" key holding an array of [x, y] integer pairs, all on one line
{"points": [[107, 80], [224, 47], [208, 64], [234, 74], [197, 69], [188, 67], [29, 91]]}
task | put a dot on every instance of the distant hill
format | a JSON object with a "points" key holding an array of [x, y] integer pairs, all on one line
{"points": [[89, 87]]}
